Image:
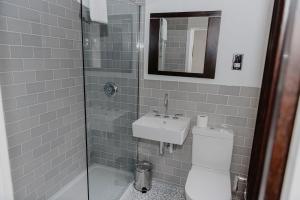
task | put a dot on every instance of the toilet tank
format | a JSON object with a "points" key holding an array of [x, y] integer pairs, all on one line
{"points": [[212, 148]]}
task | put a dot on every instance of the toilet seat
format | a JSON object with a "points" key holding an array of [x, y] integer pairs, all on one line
{"points": [[207, 184]]}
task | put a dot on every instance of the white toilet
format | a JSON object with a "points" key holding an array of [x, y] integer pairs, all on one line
{"points": [[209, 177]]}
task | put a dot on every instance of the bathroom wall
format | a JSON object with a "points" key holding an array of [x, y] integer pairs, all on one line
{"points": [[109, 48], [231, 99], [42, 90], [233, 106], [244, 29]]}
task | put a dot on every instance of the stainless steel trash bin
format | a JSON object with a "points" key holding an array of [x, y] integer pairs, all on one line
{"points": [[143, 176]]}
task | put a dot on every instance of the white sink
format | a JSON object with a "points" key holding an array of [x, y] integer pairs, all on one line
{"points": [[159, 128]]}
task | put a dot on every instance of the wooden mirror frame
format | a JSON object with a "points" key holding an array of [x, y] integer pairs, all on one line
{"points": [[213, 31]]}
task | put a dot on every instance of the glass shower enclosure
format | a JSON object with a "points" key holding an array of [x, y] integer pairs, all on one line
{"points": [[111, 73]]}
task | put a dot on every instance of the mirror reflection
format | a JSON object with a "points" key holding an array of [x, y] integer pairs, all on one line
{"points": [[182, 44]]}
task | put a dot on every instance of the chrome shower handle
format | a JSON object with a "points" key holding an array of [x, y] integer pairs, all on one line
{"points": [[110, 89]]}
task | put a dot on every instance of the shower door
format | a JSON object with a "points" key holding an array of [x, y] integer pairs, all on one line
{"points": [[111, 98]]}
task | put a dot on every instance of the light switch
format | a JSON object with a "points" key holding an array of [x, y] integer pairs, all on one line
{"points": [[237, 61]]}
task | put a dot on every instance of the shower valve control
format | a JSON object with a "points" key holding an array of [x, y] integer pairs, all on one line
{"points": [[110, 89]]}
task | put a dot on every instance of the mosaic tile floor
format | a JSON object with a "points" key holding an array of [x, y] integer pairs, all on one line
{"points": [[159, 191]]}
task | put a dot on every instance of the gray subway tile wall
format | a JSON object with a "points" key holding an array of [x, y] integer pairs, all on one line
{"points": [[42, 89]]}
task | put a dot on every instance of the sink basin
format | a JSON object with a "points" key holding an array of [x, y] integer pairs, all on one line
{"points": [[159, 128]]}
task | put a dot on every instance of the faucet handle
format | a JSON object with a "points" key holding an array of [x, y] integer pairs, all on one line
{"points": [[237, 180], [155, 111], [176, 116]]}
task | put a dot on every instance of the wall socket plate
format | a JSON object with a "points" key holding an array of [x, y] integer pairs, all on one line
{"points": [[237, 61]]}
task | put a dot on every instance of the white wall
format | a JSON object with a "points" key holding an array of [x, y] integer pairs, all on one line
{"points": [[244, 29], [6, 189]]}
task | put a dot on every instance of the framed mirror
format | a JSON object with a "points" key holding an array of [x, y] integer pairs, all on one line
{"points": [[184, 43]]}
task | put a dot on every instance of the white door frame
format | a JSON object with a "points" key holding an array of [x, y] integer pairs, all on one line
{"points": [[190, 48]]}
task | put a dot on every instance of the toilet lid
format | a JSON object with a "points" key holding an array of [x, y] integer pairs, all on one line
{"points": [[205, 184]]}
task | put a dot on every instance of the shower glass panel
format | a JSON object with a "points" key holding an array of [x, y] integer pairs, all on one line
{"points": [[111, 97]]}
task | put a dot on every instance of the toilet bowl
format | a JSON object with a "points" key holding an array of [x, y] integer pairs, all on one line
{"points": [[209, 177], [205, 184]]}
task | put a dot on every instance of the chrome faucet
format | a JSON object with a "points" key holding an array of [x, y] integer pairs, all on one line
{"points": [[237, 180], [166, 102]]}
